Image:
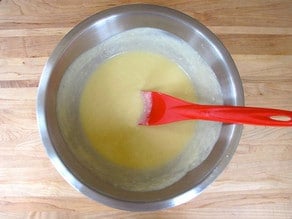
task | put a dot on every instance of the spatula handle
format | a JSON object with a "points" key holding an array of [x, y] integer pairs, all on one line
{"points": [[239, 115]]}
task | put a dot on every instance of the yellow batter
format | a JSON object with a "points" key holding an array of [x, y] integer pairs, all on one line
{"points": [[111, 106]]}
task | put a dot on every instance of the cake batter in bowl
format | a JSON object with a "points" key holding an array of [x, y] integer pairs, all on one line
{"points": [[89, 105]]}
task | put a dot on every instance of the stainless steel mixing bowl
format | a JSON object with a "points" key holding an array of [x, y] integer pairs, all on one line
{"points": [[93, 31]]}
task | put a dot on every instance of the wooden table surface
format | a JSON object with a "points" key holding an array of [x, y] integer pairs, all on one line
{"points": [[256, 184]]}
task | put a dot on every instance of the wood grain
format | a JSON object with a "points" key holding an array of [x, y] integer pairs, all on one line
{"points": [[256, 184]]}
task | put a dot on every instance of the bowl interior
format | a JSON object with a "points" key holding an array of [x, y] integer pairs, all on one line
{"points": [[95, 30]]}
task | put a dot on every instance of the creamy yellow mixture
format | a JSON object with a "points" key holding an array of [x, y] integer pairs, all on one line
{"points": [[111, 105], [99, 105]]}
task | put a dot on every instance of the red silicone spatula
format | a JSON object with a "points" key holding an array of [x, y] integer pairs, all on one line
{"points": [[161, 108]]}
